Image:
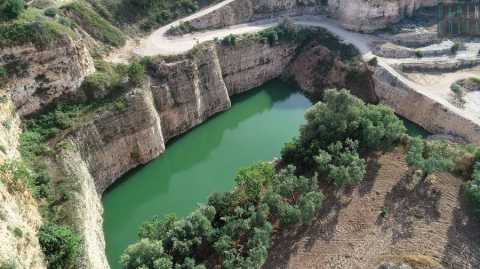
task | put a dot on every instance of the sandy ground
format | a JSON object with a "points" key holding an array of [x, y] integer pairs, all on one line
{"points": [[426, 225]]}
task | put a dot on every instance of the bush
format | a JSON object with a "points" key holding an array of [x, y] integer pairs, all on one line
{"points": [[60, 245], [419, 53], [472, 190], [40, 33], [51, 12], [11, 9], [146, 254], [18, 232], [342, 163], [94, 24], [458, 93], [429, 157], [339, 117], [455, 48], [373, 61], [3, 73], [136, 74], [229, 40]]}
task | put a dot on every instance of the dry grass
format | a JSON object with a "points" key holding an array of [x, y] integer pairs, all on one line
{"points": [[426, 225]]}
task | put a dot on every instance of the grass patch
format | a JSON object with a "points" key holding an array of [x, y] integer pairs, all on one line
{"points": [[98, 27]]}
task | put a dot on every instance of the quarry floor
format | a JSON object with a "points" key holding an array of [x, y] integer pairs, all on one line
{"points": [[426, 224]]}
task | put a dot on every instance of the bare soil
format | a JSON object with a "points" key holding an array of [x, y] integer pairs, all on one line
{"points": [[427, 225]]}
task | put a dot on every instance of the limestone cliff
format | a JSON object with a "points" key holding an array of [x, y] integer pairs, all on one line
{"points": [[316, 68], [40, 76], [420, 109], [357, 15], [123, 136], [371, 15], [250, 64], [19, 217], [189, 91], [19, 224]]}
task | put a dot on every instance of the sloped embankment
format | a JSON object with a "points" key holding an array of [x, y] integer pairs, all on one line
{"points": [[425, 224]]}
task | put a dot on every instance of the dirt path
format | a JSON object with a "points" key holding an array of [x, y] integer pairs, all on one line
{"points": [[426, 225]]}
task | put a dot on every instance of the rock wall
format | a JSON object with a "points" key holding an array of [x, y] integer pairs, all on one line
{"points": [[19, 224], [316, 68], [357, 15], [242, 11], [189, 91], [371, 15], [248, 65], [424, 111], [40, 76], [120, 138], [84, 206]]}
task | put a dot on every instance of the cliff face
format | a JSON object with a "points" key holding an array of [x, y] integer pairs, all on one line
{"points": [[371, 15], [246, 65], [402, 99], [188, 92], [316, 68], [357, 15], [40, 76], [19, 224], [19, 217], [120, 138]]}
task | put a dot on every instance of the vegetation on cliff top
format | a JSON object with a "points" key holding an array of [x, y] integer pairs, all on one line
{"points": [[234, 229], [31, 26]]}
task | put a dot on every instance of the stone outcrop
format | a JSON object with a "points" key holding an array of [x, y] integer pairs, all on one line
{"points": [[433, 116], [84, 206], [357, 15], [123, 136], [249, 65], [316, 68], [40, 76], [371, 15], [19, 224], [189, 91]]}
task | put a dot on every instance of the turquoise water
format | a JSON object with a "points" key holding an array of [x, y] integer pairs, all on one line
{"points": [[202, 161]]}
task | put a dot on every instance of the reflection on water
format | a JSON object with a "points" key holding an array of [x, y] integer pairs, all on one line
{"points": [[202, 161]]}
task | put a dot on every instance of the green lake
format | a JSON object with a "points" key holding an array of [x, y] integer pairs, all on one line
{"points": [[205, 160], [202, 161]]}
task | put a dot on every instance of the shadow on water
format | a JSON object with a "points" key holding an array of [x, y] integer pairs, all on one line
{"points": [[202, 161]]}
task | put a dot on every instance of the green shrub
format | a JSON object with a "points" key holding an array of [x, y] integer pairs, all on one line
{"points": [[419, 53], [136, 74], [342, 163], [339, 117], [454, 48], [3, 73], [40, 33], [94, 24], [472, 190], [51, 12], [229, 40], [18, 232], [60, 245], [429, 157], [146, 254], [373, 61], [11, 9], [458, 93]]}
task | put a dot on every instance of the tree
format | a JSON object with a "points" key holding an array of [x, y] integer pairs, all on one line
{"points": [[341, 163], [146, 254], [59, 244], [11, 9], [472, 190], [252, 181], [429, 157], [136, 74], [157, 228]]}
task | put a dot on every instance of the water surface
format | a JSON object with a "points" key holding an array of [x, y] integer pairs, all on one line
{"points": [[202, 161]]}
